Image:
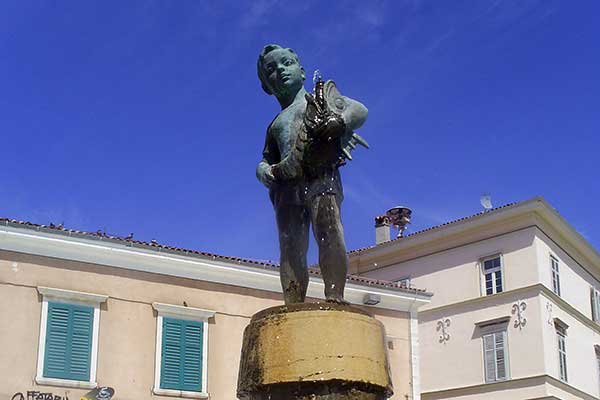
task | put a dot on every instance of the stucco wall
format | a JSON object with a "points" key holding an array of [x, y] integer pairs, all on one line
{"points": [[454, 275], [582, 366], [458, 361], [127, 334], [575, 281]]}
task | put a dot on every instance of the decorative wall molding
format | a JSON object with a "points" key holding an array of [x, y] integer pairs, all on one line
{"points": [[442, 327], [71, 295], [414, 354], [518, 310], [181, 311], [550, 317]]}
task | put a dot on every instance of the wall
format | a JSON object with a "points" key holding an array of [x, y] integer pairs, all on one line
{"points": [[127, 331], [582, 366], [575, 281], [458, 361], [454, 275]]}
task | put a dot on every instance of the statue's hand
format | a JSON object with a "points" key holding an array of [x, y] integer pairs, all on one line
{"points": [[269, 178], [322, 123], [264, 173]]}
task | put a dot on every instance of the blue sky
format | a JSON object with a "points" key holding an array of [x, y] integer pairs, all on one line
{"points": [[148, 117]]}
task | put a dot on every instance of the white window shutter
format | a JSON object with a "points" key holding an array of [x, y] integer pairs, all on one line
{"points": [[597, 307], [500, 355], [595, 299], [489, 357]]}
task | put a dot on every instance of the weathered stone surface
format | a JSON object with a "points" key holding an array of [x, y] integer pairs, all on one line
{"points": [[314, 351]]}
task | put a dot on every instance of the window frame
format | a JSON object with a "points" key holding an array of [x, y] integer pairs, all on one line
{"points": [[560, 329], [595, 304], [597, 354], [563, 372], [54, 295], [493, 329], [482, 274], [555, 275], [188, 314]]}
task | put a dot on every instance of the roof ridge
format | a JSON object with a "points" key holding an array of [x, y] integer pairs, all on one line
{"points": [[101, 235]]}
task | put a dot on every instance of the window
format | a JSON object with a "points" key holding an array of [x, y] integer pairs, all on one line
{"points": [[181, 351], [68, 341], [555, 275], [597, 348], [492, 275], [561, 335], [595, 299], [68, 345], [495, 356]]}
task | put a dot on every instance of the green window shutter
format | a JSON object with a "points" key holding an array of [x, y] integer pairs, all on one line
{"points": [[57, 332], [489, 358], [181, 361], [68, 341], [192, 371], [171, 354], [81, 342]]}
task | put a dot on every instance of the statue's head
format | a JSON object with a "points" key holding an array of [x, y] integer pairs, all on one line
{"points": [[279, 71]]}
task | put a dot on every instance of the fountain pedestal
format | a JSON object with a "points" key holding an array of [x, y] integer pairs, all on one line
{"points": [[319, 351]]}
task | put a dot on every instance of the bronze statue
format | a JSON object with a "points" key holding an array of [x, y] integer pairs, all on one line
{"points": [[305, 145]]}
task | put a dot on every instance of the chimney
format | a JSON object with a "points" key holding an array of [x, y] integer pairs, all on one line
{"points": [[382, 229]]}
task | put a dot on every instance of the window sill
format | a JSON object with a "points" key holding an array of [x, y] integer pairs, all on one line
{"points": [[65, 383], [180, 393], [497, 381]]}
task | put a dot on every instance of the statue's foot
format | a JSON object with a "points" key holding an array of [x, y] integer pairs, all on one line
{"points": [[337, 300]]}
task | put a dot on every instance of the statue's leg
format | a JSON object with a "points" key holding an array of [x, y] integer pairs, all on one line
{"points": [[329, 234], [292, 223]]}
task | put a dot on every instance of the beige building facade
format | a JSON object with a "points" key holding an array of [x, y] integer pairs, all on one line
{"points": [[516, 311], [81, 310]]}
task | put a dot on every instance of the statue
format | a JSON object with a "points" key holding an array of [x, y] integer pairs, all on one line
{"points": [[305, 145]]}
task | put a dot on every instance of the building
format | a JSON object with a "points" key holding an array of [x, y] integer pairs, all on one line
{"points": [[516, 310], [81, 310]]}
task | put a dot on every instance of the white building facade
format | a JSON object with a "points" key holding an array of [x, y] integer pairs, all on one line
{"points": [[516, 310]]}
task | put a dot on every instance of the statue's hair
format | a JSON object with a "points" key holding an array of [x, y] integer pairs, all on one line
{"points": [[260, 63]]}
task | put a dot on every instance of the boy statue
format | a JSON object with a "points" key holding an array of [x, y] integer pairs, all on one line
{"points": [[304, 147]]}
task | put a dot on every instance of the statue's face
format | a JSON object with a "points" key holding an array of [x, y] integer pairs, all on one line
{"points": [[284, 75]]}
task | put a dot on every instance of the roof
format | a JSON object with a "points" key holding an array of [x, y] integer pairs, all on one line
{"points": [[585, 253], [436, 227], [155, 246]]}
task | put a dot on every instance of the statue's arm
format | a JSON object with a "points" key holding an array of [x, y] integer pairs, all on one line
{"points": [[354, 113], [270, 154]]}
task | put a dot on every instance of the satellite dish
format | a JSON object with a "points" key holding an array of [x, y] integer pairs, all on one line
{"points": [[486, 201]]}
